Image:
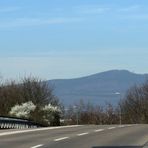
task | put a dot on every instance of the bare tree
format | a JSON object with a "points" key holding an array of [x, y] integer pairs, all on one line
{"points": [[88, 113], [135, 105]]}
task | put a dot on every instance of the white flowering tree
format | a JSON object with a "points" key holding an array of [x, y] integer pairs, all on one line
{"points": [[48, 114], [51, 114], [23, 111]]}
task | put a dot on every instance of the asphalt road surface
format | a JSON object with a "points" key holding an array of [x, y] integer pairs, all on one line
{"points": [[101, 136]]}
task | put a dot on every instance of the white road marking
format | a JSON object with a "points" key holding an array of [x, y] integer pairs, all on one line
{"points": [[37, 146], [82, 134], [121, 126], [38, 129], [112, 127], [99, 130], [59, 139]]}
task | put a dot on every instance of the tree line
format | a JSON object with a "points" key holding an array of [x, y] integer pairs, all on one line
{"points": [[17, 99], [88, 113], [33, 99], [131, 109]]}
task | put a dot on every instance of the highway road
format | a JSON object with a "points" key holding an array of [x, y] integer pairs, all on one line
{"points": [[89, 136]]}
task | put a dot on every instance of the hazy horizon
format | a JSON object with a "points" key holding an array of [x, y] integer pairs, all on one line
{"points": [[70, 39]]}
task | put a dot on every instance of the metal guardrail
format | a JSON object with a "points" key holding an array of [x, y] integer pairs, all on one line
{"points": [[16, 123]]}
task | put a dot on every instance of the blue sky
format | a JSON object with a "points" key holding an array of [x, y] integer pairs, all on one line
{"points": [[72, 38]]}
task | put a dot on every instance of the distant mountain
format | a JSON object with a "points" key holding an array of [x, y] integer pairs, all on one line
{"points": [[98, 88]]}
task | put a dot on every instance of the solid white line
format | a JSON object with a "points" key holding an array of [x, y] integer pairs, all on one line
{"points": [[37, 146], [99, 130], [111, 127], [59, 139], [38, 129], [82, 134]]}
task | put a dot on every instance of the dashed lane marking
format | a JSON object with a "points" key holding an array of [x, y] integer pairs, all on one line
{"points": [[37, 146], [121, 126], [59, 139], [99, 130], [111, 127], [82, 134]]}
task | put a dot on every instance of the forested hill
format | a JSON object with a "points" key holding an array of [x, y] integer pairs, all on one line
{"points": [[98, 88]]}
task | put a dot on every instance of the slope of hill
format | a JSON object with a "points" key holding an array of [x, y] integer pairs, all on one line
{"points": [[98, 88]]}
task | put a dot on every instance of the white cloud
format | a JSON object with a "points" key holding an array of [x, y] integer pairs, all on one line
{"points": [[27, 22], [91, 9], [143, 17], [132, 8], [96, 9], [8, 9]]}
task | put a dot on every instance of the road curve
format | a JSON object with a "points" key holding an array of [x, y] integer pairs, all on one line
{"points": [[90, 136]]}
